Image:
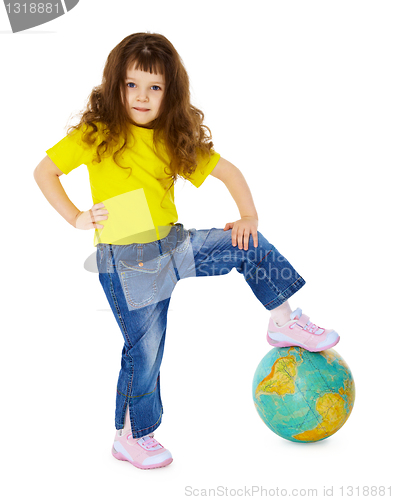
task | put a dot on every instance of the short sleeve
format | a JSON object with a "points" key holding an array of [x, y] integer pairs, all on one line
{"points": [[204, 168], [70, 152]]}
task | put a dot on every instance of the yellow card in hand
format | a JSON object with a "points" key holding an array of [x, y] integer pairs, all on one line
{"points": [[128, 216]]}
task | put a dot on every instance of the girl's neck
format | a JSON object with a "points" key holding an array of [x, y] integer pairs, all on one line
{"points": [[141, 128]]}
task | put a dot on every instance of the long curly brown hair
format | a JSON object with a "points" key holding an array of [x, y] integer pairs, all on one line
{"points": [[178, 124]]}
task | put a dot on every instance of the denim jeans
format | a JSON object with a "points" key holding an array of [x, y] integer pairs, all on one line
{"points": [[138, 280]]}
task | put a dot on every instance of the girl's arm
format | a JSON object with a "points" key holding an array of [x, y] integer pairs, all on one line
{"points": [[47, 174], [240, 192]]}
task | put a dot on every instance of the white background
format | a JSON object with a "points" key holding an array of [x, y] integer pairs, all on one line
{"points": [[300, 96]]}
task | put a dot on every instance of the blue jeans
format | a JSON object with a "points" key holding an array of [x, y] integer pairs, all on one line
{"points": [[138, 281]]}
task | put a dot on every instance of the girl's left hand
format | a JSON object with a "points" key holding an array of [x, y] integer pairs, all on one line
{"points": [[241, 230]]}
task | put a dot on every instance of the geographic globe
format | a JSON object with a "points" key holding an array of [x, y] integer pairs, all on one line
{"points": [[303, 396]]}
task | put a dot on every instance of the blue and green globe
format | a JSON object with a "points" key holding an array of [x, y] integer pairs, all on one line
{"points": [[303, 396]]}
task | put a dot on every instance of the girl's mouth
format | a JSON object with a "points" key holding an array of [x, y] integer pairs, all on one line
{"points": [[141, 109]]}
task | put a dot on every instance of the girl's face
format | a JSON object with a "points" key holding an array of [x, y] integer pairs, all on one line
{"points": [[144, 94]]}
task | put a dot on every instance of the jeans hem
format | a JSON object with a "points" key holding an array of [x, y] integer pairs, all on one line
{"points": [[286, 294]]}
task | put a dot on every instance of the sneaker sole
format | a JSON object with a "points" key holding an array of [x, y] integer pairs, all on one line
{"points": [[119, 456], [295, 344]]}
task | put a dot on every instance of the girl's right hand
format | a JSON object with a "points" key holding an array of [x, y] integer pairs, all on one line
{"points": [[88, 219]]}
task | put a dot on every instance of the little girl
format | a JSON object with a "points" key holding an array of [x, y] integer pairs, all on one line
{"points": [[138, 134]]}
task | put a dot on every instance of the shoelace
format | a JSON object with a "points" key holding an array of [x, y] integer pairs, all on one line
{"points": [[148, 442], [312, 328], [151, 443]]}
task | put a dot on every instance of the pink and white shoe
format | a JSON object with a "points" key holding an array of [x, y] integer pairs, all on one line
{"points": [[299, 331], [144, 453]]}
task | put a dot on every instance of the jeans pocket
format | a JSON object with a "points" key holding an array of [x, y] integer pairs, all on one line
{"points": [[139, 282]]}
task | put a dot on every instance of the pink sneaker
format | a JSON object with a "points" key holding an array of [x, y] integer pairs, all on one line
{"points": [[144, 453], [301, 332]]}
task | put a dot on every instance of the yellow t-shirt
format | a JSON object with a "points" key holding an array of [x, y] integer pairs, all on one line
{"points": [[139, 210]]}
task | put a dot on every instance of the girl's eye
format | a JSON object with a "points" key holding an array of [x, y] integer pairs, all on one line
{"points": [[155, 87]]}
